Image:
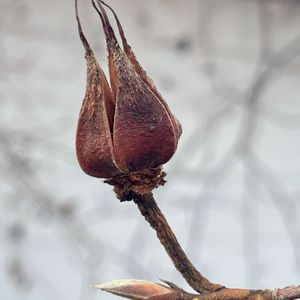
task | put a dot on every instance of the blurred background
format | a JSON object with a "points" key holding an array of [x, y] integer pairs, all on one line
{"points": [[230, 71]]}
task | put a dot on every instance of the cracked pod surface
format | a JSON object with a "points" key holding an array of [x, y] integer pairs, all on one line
{"points": [[127, 126]]}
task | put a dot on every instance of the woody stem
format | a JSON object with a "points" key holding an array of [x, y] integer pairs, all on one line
{"points": [[207, 289], [158, 222]]}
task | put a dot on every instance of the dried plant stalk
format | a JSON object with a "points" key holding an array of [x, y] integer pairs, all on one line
{"points": [[158, 222], [208, 290]]}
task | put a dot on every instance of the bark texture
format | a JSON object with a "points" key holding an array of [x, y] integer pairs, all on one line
{"points": [[206, 289]]}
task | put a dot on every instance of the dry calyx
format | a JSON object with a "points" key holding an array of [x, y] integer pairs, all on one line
{"points": [[126, 130]]}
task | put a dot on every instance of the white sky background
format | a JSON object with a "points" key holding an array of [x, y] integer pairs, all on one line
{"points": [[230, 71]]}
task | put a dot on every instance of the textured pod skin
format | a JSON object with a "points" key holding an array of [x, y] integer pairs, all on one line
{"points": [[142, 74], [93, 138], [94, 146], [143, 132], [127, 126]]}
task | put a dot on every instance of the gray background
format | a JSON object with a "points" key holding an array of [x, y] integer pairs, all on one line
{"points": [[230, 73]]}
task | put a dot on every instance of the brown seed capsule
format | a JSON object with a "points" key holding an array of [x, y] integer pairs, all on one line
{"points": [[127, 126], [93, 138]]}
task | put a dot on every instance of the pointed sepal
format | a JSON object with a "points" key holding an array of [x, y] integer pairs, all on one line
{"points": [[141, 290]]}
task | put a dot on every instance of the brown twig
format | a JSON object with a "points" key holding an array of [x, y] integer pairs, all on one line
{"points": [[288, 293], [207, 289], [158, 222]]}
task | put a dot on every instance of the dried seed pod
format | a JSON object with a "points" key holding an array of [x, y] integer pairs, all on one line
{"points": [[145, 132], [142, 73], [94, 138], [127, 126]]}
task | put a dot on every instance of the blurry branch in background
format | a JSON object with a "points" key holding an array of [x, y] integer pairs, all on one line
{"points": [[20, 174], [208, 291], [25, 180], [136, 178], [270, 65]]}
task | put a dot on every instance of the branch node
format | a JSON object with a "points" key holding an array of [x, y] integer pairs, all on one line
{"points": [[129, 186]]}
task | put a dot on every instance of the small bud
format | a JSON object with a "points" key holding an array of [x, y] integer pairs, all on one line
{"points": [[126, 126], [140, 290]]}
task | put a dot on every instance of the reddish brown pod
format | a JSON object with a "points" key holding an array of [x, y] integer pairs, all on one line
{"points": [[93, 138], [125, 127]]}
